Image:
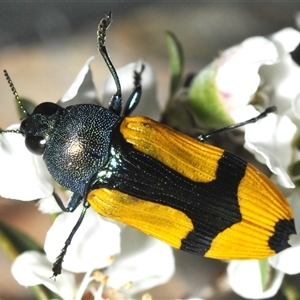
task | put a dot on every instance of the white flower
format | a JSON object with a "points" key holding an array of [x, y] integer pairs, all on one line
{"points": [[93, 245], [271, 141], [82, 90], [259, 62], [245, 280], [271, 138], [220, 92], [237, 75], [281, 78], [32, 268], [144, 261], [23, 175]]}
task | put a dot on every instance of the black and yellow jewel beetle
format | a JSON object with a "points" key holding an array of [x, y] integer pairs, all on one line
{"points": [[191, 195]]}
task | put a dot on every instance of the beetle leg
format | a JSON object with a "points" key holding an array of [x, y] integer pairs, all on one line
{"points": [[57, 265], [133, 101], [75, 200], [137, 75], [134, 98], [59, 202]]}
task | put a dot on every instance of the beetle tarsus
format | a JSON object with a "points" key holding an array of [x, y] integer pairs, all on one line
{"points": [[137, 75], [57, 265]]}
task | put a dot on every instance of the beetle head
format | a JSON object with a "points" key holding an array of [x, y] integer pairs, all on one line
{"points": [[38, 127]]}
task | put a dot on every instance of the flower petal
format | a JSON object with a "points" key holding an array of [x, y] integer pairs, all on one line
{"points": [[148, 105], [33, 268], [237, 77], [93, 245], [288, 39], [144, 261], [26, 176], [82, 90], [281, 78], [270, 141], [48, 205], [245, 280], [296, 106]]}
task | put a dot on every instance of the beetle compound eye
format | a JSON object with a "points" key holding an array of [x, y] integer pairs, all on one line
{"points": [[35, 144], [47, 109]]}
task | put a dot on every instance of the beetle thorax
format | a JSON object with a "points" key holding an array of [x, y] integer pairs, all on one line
{"points": [[79, 145]]}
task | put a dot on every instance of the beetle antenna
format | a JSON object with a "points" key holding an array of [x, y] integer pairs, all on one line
{"points": [[18, 102], [10, 131], [15, 93], [116, 101], [262, 115]]}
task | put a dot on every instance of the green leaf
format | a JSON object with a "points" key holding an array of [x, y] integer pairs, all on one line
{"points": [[176, 61], [266, 273], [43, 293], [14, 242]]}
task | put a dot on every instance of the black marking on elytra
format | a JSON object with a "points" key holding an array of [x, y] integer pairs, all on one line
{"points": [[211, 206], [283, 229]]}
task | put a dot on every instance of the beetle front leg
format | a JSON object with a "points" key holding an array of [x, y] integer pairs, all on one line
{"points": [[75, 200], [57, 265]]}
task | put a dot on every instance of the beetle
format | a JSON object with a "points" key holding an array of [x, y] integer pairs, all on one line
{"points": [[189, 194]]}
